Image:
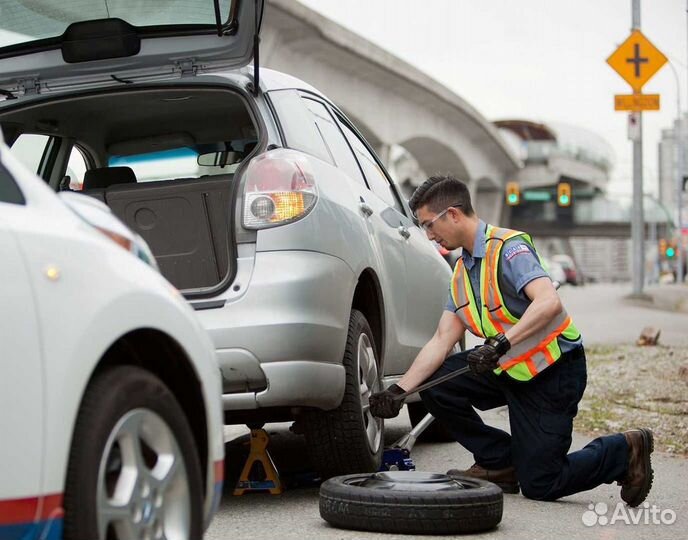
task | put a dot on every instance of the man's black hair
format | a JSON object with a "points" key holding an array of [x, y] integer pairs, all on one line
{"points": [[439, 192]]}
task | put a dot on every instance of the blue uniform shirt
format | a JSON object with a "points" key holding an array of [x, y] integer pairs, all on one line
{"points": [[520, 266]]}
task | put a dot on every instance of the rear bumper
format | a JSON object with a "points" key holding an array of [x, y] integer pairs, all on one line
{"points": [[293, 384], [281, 343]]}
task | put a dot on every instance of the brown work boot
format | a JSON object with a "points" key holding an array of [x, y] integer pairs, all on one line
{"points": [[638, 480], [504, 478]]}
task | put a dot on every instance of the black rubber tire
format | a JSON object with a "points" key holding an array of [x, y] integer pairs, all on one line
{"points": [[111, 395], [435, 432], [336, 439], [411, 512]]}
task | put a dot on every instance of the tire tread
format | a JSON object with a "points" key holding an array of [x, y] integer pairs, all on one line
{"points": [[455, 512], [336, 440]]}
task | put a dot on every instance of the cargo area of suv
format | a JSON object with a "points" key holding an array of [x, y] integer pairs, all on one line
{"points": [[164, 161]]}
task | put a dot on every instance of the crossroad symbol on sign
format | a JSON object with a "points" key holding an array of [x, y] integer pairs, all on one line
{"points": [[637, 60]]}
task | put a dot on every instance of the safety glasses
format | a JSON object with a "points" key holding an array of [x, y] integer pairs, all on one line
{"points": [[427, 227]]}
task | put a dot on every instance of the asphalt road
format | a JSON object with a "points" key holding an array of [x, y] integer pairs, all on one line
{"points": [[603, 317]]}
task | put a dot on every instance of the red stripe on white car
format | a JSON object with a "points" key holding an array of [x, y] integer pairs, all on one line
{"points": [[30, 509]]}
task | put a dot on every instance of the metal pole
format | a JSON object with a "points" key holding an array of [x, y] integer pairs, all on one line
{"points": [[678, 137], [680, 252], [637, 221]]}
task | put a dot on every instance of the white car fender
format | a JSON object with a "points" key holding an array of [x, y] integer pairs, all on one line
{"points": [[121, 306]]}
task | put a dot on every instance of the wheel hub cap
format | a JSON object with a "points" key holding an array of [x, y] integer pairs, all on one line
{"points": [[143, 491], [369, 383]]}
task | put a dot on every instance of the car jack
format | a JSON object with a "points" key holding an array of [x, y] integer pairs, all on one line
{"points": [[398, 456], [259, 472]]}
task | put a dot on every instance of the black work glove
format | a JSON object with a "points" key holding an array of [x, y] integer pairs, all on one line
{"points": [[486, 357], [383, 405]]}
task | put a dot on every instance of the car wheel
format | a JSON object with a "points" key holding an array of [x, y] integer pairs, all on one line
{"points": [[133, 468], [435, 432], [349, 439], [411, 502]]}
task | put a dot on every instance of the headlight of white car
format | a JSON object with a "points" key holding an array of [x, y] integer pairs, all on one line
{"points": [[101, 218]]}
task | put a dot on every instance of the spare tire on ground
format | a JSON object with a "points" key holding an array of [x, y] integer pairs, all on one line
{"points": [[411, 502]]}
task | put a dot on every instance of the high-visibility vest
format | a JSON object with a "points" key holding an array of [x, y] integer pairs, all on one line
{"points": [[528, 358]]}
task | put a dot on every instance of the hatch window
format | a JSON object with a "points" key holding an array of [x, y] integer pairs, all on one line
{"points": [[24, 22], [184, 162]]}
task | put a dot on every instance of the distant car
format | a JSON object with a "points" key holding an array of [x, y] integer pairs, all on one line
{"points": [[555, 270], [110, 413], [261, 201], [573, 276]]}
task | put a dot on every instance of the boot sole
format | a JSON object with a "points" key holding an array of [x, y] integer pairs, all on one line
{"points": [[649, 446]]}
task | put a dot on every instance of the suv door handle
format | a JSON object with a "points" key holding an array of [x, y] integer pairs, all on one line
{"points": [[365, 208], [403, 231]]}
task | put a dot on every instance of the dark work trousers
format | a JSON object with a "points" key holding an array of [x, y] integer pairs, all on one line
{"points": [[541, 413]]}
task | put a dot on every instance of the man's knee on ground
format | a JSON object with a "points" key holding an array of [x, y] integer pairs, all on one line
{"points": [[539, 489]]}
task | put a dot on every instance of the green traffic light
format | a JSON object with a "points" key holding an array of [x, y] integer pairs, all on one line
{"points": [[513, 198], [670, 252], [564, 200]]}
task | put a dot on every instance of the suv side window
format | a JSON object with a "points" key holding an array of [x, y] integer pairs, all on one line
{"points": [[335, 141], [298, 126], [377, 180], [9, 190], [76, 169], [29, 149]]}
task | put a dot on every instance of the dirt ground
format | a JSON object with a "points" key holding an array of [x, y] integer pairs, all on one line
{"points": [[630, 386]]}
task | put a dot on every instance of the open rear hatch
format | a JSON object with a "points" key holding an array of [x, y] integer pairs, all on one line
{"points": [[47, 45]]}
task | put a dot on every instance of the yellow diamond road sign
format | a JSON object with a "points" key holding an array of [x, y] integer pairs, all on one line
{"points": [[637, 60]]}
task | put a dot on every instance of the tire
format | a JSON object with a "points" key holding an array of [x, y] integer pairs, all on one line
{"points": [[132, 441], [347, 440], [436, 432], [405, 505]]}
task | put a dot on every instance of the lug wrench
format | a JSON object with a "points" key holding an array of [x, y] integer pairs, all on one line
{"points": [[425, 386], [398, 456]]}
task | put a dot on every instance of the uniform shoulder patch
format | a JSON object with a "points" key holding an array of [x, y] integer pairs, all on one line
{"points": [[514, 251]]}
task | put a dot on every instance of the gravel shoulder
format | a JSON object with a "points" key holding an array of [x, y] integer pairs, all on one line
{"points": [[630, 386]]}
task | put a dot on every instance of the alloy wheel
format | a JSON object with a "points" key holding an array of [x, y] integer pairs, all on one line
{"points": [[369, 383], [143, 491]]}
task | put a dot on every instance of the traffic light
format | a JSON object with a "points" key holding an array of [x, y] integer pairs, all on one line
{"points": [[564, 194], [513, 193], [668, 248]]}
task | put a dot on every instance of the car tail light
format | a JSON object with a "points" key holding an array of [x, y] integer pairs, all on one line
{"points": [[279, 189]]}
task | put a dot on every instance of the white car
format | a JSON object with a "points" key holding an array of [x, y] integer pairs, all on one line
{"points": [[110, 412]]}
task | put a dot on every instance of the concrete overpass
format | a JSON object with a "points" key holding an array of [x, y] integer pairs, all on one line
{"points": [[390, 101]]}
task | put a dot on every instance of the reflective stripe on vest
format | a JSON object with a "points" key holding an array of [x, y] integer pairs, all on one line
{"points": [[464, 299], [528, 358]]}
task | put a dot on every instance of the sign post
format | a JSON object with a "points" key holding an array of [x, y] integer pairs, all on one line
{"points": [[637, 60]]}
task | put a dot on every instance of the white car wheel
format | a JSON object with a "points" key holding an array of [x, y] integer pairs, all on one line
{"points": [[134, 471]]}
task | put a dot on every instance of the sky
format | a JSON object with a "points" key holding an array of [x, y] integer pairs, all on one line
{"points": [[541, 60]]}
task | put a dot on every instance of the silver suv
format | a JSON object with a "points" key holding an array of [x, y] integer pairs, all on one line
{"points": [[260, 200]]}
